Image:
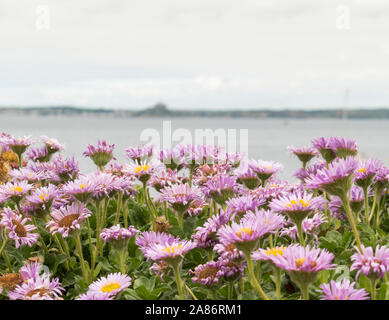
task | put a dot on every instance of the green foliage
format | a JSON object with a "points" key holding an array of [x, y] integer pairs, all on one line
{"points": [[339, 244], [336, 238]]}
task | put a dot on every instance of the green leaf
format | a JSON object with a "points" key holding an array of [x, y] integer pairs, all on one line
{"points": [[69, 279], [147, 283], [341, 272], [134, 263], [97, 270], [328, 244], [130, 294], [364, 282], [59, 259], [143, 292], [324, 276], [383, 292]]}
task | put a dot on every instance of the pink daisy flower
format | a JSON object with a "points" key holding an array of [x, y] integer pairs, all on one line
{"points": [[52, 145], [68, 218], [304, 154], [342, 290], [101, 154], [373, 264], [19, 230], [14, 191], [170, 251], [265, 169], [303, 264], [95, 296], [112, 284], [40, 288]]}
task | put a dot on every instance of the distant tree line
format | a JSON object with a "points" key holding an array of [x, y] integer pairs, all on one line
{"points": [[161, 110]]}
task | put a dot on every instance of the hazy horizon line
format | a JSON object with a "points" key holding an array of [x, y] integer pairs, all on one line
{"points": [[216, 109]]}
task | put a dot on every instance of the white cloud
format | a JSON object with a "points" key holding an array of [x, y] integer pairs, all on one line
{"points": [[260, 53]]}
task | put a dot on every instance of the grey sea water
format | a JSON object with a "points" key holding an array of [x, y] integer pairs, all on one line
{"points": [[267, 138]]}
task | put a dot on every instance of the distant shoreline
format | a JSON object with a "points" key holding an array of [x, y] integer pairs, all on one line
{"points": [[160, 111]]}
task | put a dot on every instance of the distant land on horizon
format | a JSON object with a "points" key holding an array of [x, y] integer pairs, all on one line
{"points": [[161, 110]]}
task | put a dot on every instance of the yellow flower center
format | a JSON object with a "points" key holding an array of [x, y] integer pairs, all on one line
{"points": [[301, 202], [139, 169], [110, 287], [300, 262], [275, 251], [362, 170], [17, 189], [173, 249], [43, 196], [245, 231]]}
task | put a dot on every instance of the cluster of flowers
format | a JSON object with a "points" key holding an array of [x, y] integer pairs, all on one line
{"points": [[246, 218]]}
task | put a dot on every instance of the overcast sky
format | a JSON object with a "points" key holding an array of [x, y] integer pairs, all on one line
{"points": [[207, 54]]}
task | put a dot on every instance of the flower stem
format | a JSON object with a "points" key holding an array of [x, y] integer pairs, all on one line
{"points": [[104, 215], [346, 205], [125, 213], [43, 245], [277, 277], [366, 200], [300, 233], [242, 286], [210, 255], [178, 280], [20, 160], [122, 258], [180, 220], [7, 261], [191, 175], [81, 256], [98, 209], [191, 292], [64, 245], [165, 211], [215, 208], [373, 283], [376, 197], [377, 216], [305, 291], [253, 279], [91, 252], [271, 240], [146, 199], [230, 290], [152, 204], [3, 245], [119, 207], [56, 239], [326, 209]]}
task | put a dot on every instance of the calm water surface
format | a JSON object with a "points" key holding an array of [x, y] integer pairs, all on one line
{"points": [[267, 138]]}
